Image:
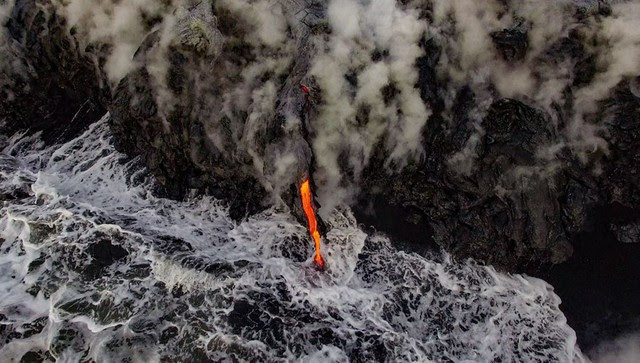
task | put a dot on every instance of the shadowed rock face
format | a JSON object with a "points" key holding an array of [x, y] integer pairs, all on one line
{"points": [[175, 121], [512, 44], [503, 213], [513, 208], [165, 118], [509, 212], [175, 146], [622, 113], [189, 122], [48, 85], [169, 109]]}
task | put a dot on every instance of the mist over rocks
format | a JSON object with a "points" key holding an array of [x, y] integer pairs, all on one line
{"points": [[498, 130], [507, 216], [503, 131], [46, 82]]}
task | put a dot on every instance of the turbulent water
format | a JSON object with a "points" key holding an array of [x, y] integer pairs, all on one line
{"points": [[93, 268]]}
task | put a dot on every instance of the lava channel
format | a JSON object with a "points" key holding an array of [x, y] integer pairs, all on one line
{"points": [[307, 205]]}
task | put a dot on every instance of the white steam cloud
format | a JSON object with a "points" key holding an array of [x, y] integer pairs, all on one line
{"points": [[541, 78], [265, 18], [359, 58], [119, 24], [617, 40], [344, 138]]}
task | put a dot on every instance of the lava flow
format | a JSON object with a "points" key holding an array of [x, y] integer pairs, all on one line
{"points": [[307, 205]]}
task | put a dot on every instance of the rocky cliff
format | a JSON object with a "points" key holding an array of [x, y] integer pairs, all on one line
{"points": [[485, 132]]}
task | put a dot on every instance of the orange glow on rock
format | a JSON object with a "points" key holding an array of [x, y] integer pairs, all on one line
{"points": [[307, 205]]}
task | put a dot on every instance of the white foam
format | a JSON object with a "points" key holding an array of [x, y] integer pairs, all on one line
{"points": [[220, 289]]}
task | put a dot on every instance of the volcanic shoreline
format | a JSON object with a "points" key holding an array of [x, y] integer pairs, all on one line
{"points": [[211, 107]]}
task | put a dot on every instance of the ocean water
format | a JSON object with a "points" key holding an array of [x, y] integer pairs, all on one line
{"points": [[94, 268]]}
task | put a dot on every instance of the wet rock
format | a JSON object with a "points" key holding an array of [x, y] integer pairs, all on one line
{"points": [[513, 212], [326, 336], [265, 315], [510, 207], [67, 338], [41, 231], [171, 118], [368, 348], [141, 325], [254, 321], [103, 254], [171, 245], [627, 233], [36, 357], [35, 264], [168, 334], [26, 330], [15, 194], [58, 88], [295, 249], [245, 315]]}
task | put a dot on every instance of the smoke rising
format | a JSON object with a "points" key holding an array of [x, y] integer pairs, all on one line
{"points": [[359, 57], [266, 20], [366, 73], [122, 25], [617, 46], [231, 70]]}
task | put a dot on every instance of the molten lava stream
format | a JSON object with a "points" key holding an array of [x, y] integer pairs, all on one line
{"points": [[307, 205]]}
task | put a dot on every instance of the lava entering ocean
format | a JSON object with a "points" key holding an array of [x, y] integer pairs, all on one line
{"points": [[305, 193]]}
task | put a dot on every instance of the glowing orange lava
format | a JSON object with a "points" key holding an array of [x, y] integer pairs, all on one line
{"points": [[307, 205]]}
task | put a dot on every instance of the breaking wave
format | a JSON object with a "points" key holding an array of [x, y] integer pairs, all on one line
{"points": [[95, 268]]}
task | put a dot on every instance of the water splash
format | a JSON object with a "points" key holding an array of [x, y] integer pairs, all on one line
{"points": [[94, 267]]}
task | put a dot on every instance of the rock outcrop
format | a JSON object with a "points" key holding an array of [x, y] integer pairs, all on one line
{"points": [[47, 82], [211, 107], [202, 124], [506, 212]]}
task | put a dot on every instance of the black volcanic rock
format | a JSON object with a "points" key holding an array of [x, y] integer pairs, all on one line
{"points": [[621, 176], [504, 213], [179, 122], [51, 85], [512, 208], [176, 149], [620, 179], [574, 223], [511, 43]]}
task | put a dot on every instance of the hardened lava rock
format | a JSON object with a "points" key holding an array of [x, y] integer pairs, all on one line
{"points": [[183, 111], [47, 83], [500, 213]]}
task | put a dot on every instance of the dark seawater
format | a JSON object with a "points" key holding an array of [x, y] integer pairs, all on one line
{"points": [[600, 284], [93, 268]]}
